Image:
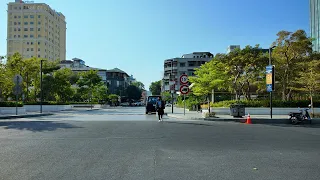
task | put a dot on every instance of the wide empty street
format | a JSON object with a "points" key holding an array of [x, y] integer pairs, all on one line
{"points": [[124, 143]]}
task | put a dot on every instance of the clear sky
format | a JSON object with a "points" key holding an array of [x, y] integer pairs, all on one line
{"points": [[138, 35]]}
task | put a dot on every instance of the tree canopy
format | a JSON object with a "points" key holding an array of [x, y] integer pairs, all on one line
{"points": [[155, 87]]}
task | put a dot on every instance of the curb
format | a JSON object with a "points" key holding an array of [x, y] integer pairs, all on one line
{"points": [[25, 116], [188, 118], [262, 121]]}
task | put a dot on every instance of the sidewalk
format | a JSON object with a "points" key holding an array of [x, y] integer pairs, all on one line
{"points": [[256, 119], [10, 116]]}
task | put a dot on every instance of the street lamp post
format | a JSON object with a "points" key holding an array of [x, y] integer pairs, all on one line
{"points": [[273, 82], [41, 92], [172, 85]]}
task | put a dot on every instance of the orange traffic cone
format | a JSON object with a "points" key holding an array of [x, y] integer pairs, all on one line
{"points": [[248, 119]]}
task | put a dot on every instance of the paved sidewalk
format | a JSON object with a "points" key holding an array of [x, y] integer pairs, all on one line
{"points": [[256, 119]]}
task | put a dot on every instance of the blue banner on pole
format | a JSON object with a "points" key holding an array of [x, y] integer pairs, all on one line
{"points": [[269, 78]]}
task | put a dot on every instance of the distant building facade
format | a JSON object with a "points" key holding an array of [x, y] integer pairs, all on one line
{"points": [[315, 23], [175, 67], [35, 30], [232, 48], [117, 81], [78, 65]]}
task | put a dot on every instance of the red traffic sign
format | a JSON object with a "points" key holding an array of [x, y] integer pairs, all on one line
{"points": [[184, 89], [184, 79]]}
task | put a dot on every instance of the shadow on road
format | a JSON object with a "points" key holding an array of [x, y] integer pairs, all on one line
{"points": [[36, 126], [189, 123], [297, 126]]}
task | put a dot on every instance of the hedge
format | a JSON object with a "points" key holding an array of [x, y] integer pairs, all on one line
{"points": [[47, 103], [10, 104], [266, 103]]}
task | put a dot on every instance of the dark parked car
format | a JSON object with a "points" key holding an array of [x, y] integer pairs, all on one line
{"points": [[151, 104]]}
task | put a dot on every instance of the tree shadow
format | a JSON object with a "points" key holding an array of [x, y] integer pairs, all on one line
{"points": [[36, 126]]}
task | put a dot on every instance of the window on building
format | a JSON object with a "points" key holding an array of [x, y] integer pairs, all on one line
{"points": [[39, 16], [27, 43], [39, 36], [31, 36], [38, 43], [25, 23], [27, 49], [39, 29], [31, 29], [39, 22], [38, 49], [14, 36], [25, 36], [19, 23], [31, 49], [15, 29], [19, 16], [18, 36], [182, 64], [45, 50], [25, 29], [31, 43], [19, 29], [15, 23], [31, 22], [25, 16], [38, 55], [15, 17], [31, 16]]}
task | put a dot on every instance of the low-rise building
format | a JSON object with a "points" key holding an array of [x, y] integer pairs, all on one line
{"points": [[78, 65], [117, 81], [175, 67], [232, 48]]}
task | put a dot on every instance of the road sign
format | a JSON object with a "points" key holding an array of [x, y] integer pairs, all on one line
{"points": [[17, 79], [184, 79], [184, 89], [17, 90]]}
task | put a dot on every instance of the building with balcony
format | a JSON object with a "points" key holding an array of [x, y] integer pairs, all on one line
{"points": [[175, 67], [78, 65], [117, 81], [35, 30]]}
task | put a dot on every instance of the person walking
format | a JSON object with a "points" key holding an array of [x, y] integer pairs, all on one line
{"points": [[160, 108]]}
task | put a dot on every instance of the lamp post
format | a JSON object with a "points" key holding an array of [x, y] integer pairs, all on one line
{"points": [[272, 82], [41, 92], [172, 85]]}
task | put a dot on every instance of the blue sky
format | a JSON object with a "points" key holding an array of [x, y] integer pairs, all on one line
{"points": [[138, 35]]}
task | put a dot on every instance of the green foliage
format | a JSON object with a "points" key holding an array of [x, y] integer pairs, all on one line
{"points": [[166, 96], [113, 98], [10, 104], [266, 103], [46, 103], [138, 84], [133, 92], [155, 88], [291, 50]]}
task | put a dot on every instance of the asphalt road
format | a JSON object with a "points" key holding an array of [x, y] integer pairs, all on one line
{"points": [[127, 144]]}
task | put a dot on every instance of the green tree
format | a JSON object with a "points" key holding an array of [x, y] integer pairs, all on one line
{"points": [[309, 78], [139, 84], [166, 96], [155, 88], [113, 98], [291, 49], [101, 92], [133, 92]]}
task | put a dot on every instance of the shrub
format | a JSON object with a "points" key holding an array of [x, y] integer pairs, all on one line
{"points": [[47, 103], [10, 104], [211, 114], [266, 103]]}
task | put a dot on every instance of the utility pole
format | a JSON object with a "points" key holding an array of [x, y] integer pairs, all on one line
{"points": [[41, 92]]}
